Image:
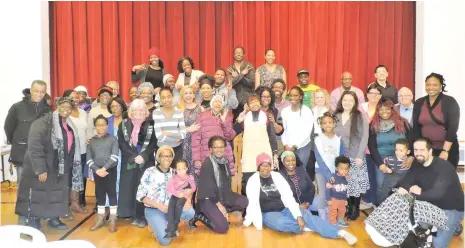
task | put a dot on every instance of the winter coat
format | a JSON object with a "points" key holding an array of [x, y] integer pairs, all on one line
{"points": [[50, 198], [17, 125], [209, 127]]}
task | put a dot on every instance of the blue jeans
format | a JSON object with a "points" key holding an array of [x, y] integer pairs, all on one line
{"points": [[320, 200], [370, 195], [443, 238], [158, 221], [304, 154], [284, 222]]}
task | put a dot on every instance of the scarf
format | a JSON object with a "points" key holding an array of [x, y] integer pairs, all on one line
{"points": [[135, 131], [148, 136], [58, 144], [224, 161], [386, 125]]}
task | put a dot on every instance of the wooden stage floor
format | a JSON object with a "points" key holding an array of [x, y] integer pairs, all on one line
{"points": [[129, 236]]}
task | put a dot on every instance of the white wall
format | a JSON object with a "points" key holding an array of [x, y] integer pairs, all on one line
{"points": [[24, 52], [440, 48]]}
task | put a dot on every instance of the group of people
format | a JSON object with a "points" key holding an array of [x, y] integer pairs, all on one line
{"points": [[311, 159]]}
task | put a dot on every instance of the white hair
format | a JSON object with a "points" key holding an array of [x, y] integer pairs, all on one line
{"points": [[136, 104]]}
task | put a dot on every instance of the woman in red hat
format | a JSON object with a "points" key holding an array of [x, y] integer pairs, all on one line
{"points": [[152, 72]]}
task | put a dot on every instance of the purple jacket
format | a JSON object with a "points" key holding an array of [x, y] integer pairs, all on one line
{"points": [[209, 127]]}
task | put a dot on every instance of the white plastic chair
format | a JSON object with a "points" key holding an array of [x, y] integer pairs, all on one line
{"points": [[10, 237]]}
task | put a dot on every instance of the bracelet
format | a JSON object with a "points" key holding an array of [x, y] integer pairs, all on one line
{"points": [[444, 150]]}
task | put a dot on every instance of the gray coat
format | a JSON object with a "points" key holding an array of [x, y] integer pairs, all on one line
{"points": [[50, 198]]}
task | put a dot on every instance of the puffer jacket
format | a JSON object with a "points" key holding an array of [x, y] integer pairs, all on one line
{"points": [[210, 126], [17, 125]]}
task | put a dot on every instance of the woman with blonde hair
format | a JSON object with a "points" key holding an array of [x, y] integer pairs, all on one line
{"points": [[191, 111], [320, 103], [137, 142]]}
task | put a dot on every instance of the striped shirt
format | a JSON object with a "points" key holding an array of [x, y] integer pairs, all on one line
{"points": [[173, 125]]}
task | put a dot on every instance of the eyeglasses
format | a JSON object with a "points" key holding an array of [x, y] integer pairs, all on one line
{"points": [[115, 107], [218, 147], [166, 156], [63, 108]]}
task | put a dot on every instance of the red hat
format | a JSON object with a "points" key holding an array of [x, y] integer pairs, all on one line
{"points": [[154, 51], [263, 158]]}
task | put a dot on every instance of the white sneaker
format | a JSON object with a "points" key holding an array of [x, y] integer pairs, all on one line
{"points": [[351, 239], [365, 206], [306, 229]]}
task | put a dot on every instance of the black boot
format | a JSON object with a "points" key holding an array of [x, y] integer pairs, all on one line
{"points": [[349, 207], [57, 224], [355, 208], [82, 195], [202, 218]]}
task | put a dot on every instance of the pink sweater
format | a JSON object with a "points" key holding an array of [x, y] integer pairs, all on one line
{"points": [[177, 184]]}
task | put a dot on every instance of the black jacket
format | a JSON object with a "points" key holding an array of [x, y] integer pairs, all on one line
{"points": [[17, 125], [449, 107], [307, 189], [50, 198]]}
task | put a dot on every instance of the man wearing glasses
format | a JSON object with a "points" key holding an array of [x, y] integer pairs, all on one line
{"points": [[405, 106]]}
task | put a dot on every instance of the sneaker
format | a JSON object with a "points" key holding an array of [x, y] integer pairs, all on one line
{"points": [[306, 229], [135, 221], [341, 223], [142, 223], [351, 239], [365, 206]]}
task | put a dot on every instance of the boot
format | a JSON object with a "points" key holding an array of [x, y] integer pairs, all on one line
{"points": [[355, 208], [349, 207], [75, 203], [202, 218], [99, 222], [69, 216], [112, 228]]}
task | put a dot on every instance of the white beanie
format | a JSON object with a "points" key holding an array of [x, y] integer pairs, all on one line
{"points": [[165, 78], [81, 88]]}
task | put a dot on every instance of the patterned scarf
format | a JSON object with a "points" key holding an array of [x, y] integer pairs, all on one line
{"points": [[58, 144], [135, 131], [224, 161], [148, 136], [386, 125]]}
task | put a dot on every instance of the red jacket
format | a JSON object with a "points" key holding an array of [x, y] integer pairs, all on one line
{"points": [[209, 127]]}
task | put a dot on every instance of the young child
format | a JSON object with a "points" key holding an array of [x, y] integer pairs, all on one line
{"points": [[328, 146], [395, 172], [336, 193], [180, 186], [102, 158]]}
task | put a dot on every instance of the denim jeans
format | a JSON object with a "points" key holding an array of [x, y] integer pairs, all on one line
{"points": [[443, 238], [284, 222], [370, 195], [304, 154], [158, 221], [320, 201]]}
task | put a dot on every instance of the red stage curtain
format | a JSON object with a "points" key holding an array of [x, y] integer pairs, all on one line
{"points": [[95, 42]]}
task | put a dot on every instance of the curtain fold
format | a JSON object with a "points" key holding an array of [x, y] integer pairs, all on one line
{"points": [[95, 42]]}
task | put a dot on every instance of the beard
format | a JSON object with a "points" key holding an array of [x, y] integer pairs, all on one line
{"points": [[420, 159]]}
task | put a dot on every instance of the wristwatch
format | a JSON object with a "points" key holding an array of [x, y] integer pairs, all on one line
{"points": [[444, 150]]}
